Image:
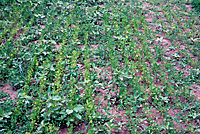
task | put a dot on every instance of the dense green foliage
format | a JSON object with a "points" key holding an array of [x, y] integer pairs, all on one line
{"points": [[77, 63], [196, 4]]}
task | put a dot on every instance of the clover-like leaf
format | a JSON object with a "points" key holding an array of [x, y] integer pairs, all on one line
{"points": [[56, 98], [78, 116], [68, 111], [79, 108]]}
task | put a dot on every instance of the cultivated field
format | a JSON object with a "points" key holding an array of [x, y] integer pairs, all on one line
{"points": [[99, 66]]}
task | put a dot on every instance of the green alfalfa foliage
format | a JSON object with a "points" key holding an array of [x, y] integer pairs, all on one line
{"points": [[196, 4]]}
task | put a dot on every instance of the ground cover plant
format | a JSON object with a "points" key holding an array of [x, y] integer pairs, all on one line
{"points": [[196, 4], [99, 66]]}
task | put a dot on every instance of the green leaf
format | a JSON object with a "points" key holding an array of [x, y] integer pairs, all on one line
{"points": [[79, 108], [7, 115], [56, 98], [69, 111], [197, 130], [127, 76], [78, 116], [49, 105]]}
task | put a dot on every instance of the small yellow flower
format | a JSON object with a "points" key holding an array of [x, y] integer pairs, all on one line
{"points": [[68, 60], [122, 10], [199, 98], [116, 25], [36, 63], [127, 36], [120, 96], [98, 56], [38, 24], [11, 55], [90, 121], [24, 93], [118, 8]]}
